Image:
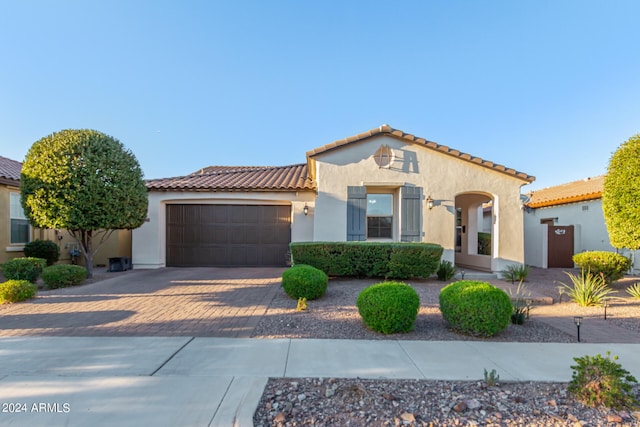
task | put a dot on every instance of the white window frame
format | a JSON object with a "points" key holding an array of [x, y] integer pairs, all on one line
{"points": [[17, 213]]}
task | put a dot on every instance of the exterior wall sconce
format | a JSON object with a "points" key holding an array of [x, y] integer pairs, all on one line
{"points": [[305, 210], [429, 202], [578, 321]]}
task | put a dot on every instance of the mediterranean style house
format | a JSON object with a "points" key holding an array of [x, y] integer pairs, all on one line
{"points": [[15, 231], [566, 219], [380, 185]]}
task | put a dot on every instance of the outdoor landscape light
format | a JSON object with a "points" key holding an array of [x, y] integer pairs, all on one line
{"points": [[578, 320], [429, 202], [605, 304], [305, 210]]}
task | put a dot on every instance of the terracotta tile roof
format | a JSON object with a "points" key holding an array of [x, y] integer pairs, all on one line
{"points": [[572, 192], [10, 170], [238, 178], [386, 129]]}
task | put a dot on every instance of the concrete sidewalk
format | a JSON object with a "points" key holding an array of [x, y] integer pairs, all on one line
{"points": [[182, 381]]}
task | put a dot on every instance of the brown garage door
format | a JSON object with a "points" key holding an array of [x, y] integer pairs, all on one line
{"points": [[227, 235]]}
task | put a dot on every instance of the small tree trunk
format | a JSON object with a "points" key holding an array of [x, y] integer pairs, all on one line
{"points": [[84, 238]]}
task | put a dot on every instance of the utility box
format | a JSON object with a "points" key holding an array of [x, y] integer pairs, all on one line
{"points": [[119, 264]]}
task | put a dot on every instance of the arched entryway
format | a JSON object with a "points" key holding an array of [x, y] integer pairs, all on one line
{"points": [[474, 230]]}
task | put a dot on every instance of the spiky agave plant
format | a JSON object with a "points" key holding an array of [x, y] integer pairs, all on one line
{"points": [[588, 289]]}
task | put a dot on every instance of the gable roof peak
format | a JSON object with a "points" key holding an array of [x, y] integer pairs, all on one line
{"points": [[407, 137]]}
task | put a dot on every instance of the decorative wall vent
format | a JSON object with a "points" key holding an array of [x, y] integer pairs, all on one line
{"points": [[384, 156]]}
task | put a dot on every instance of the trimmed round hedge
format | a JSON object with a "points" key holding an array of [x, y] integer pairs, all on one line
{"points": [[23, 268], [611, 264], [304, 281], [475, 308], [63, 275], [45, 249], [389, 307], [16, 291]]}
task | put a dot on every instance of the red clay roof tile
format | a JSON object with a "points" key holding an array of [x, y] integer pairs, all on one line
{"points": [[386, 129], [572, 192], [238, 178]]}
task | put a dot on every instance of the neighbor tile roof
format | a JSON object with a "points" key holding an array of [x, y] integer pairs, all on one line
{"points": [[572, 192], [388, 130], [10, 170], [238, 178]]}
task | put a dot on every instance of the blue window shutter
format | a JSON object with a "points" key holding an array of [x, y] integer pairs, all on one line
{"points": [[411, 214], [357, 213]]}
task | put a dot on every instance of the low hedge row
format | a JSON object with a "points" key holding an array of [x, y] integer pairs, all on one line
{"points": [[369, 259]]}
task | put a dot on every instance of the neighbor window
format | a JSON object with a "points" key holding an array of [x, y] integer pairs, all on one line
{"points": [[379, 216], [19, 223]]}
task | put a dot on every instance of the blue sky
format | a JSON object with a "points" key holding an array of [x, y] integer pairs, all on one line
{"points": [[550, 88]]}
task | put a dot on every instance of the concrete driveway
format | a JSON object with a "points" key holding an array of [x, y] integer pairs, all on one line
{"points": [[194, 302]]}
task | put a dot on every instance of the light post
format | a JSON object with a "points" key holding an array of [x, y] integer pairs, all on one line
{"points": [[578, 320], [605, 304]]}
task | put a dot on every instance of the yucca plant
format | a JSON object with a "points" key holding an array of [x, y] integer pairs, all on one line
{"points": [[588, 289], [515, 273], [634, 290]]}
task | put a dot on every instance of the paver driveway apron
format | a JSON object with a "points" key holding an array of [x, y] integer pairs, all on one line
{"points": [[194, 302]]}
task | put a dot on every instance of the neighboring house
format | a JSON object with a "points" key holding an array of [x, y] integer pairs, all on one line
{"points": [[563, 220], [381, 185], [15, 231]]}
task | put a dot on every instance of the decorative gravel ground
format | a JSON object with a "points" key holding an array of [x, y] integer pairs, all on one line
{"points": [[359, 402]]}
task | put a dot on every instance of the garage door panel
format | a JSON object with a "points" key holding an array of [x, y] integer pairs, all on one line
{"points": [[227, 235]]}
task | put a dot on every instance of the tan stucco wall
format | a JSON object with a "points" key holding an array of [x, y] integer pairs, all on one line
{"points": [[441, 176], [149, 241], [119, 244]]}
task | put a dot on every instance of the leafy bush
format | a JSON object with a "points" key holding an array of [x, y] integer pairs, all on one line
{"points": [[587, 289], [600, 381], [16, 291], [484, 243], [63, 275], [515, 273], [389, 307], [369, 259], [634, 290], [45, 249], [475, 308], [446, 271], [304, 281], [23, 269], [611, 264]]}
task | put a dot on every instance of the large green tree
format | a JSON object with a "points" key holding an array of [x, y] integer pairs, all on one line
{"points": [[621, 195], [85, 182]]}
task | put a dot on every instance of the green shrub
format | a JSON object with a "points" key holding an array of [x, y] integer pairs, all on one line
{"points": [[16, 291], [304, 281], [389, 307], [611, 264], [515, 273], [521, 303], [600, 381], [369, 259], [587, 289], [63, 275], [484, 243], [475, 308], [45, 249], [446, 271], [23, 269]]}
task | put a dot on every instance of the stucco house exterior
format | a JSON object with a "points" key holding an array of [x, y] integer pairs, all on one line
{"points": [[15, 230], [566, 219], [380, 185]]}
